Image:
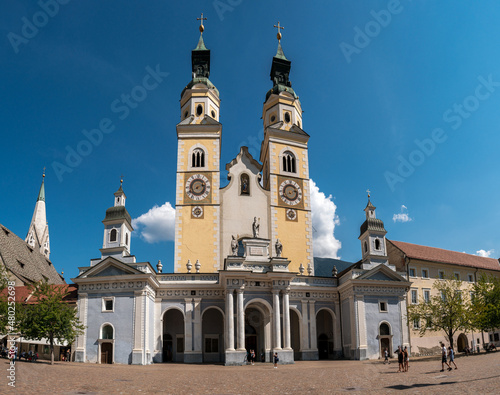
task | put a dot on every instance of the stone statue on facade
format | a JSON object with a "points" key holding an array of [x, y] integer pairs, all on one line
{"points": [[334, 271], [279, 247], [234, 246], [255, 227]]}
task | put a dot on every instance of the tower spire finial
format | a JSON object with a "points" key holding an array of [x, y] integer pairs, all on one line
{"points": [[202, 28], [43, 174], [368, 192], [121, 180], [278, 36]]}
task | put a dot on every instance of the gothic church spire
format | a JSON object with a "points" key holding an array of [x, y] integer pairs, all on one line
{"points": [[38, 231]]}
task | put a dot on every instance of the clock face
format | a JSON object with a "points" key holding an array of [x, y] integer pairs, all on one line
{"points": [[291, 214], [197, 211], [197, 187], [290, 192]]}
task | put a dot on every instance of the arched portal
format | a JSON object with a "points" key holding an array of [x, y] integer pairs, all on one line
{"points": [[461, 342], [173, 336], [385, 338], [212, 322], [324, 329], [295, 334], [258, 331]]}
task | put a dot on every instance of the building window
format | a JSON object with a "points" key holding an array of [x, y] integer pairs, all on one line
{"points": [[108, 304], [458, 294], [245, 184], [289, 162], [416, 323], [425, 273], [107, 332], [427, 295], [198, 158], [126, 238], [211, 343], [287, 117], [472, 295], [180, 344], [366, 247], [441, 274], [443, 296], [384, 329], [383, 307], [377, 244], [199, 110], [457, 276], [112, 235], [412, 272], [470, 278], [495, 336], [414, 296]]}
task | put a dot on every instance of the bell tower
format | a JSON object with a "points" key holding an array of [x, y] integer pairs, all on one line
{"points": [[284, 157], [197, 214]]}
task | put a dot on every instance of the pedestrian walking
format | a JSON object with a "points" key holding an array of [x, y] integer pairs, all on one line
{"points": [[400, 359], [276, 359], [451, 355], [386, 357], [443, 358], [252, 356], [406, 357]]}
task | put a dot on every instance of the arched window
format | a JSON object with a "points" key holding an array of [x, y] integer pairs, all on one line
{"points": [[112, 235], [198, 158], [245, 184], [107, 332], [126, 238], [289, 162], [366, 247], [377, 244], [384, 329]]}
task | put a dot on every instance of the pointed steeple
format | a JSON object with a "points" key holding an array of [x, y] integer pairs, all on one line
{"points": [[38, 231], [372, 237]]}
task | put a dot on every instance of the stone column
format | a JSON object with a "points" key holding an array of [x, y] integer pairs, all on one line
{"points": [[286, 319], [241, 320], [230, 320], [188, 325], [137, 351], [312, 321], [304, 339], [81, 340], [197, 336], [276, 315]]}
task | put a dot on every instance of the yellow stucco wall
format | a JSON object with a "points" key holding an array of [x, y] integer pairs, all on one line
{"points": [[198, 239]]}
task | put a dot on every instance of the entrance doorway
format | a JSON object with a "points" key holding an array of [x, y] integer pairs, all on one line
{"points": [[385, 338], [384, 343], [107, 353], [173, 336], [251, 338], [323, 346], [167, 348], [461, 342]]}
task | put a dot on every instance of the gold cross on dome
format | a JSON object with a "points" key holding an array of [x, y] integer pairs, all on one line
{"points": [[368, 192], [43, 175], [279, 33], [121, 179]]}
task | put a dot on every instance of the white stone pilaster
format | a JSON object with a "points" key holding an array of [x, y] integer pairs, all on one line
{"points": [[188, 325], [230, 320], [197, 336], [241, 320], [304, 338], [276, 315], [360, 301], [312, 322], [286, 319]]}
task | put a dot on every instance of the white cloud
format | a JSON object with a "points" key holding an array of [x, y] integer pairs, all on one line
{"points": [[324, 219], [157, 224], [402, 216], [485, 253]]}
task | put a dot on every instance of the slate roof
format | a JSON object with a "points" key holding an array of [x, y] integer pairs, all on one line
{"points": [[323, 266], [26, 263], [445, 256], [23, 293]]}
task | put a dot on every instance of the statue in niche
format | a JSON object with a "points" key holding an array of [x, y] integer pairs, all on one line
{"points": [[234, 246], [255, 227], [279, 247], [245, 184]]}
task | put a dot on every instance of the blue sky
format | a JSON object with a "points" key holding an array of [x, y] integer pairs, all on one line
{"points": [[401, 97]]}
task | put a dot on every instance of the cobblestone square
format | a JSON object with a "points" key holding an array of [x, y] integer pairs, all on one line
{"points": [[479, 374]]}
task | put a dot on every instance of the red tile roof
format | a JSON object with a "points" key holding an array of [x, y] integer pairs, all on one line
{"points": [[23, 293], [445, 256]]}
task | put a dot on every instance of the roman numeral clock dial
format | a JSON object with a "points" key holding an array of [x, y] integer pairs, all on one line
{"points": [[290, 192], [197, 187]]}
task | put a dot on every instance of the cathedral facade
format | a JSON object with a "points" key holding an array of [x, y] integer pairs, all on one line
{"points": [[244, 273]]}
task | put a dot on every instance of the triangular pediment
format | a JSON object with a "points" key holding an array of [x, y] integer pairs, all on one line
{"points": [[381, 273], [109, 267]]}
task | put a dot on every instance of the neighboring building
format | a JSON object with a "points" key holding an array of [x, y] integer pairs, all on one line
{"points": [[245, 276], [425, 265], [27, 261]]}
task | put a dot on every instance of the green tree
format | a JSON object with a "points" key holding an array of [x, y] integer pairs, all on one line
{"points": [[447, 311], [49, 316], [486, 303]]}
